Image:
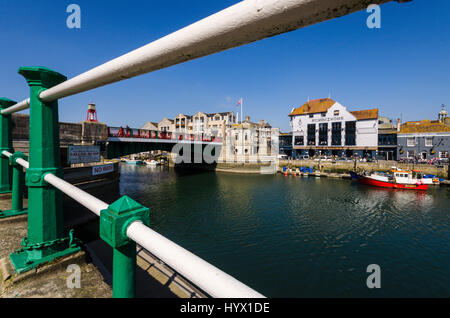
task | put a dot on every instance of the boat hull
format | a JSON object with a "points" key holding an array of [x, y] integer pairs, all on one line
{"points": [[392, 185]]}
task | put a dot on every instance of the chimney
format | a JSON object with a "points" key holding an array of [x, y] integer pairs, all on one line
{"points": [[261, 122], [399, 124], [247, 119]]}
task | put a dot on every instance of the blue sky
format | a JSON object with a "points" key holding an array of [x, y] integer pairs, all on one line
{"points": [[402, 68]]}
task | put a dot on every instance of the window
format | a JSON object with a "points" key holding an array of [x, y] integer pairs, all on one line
{"points": [[387, 139], [237, 137], [350, 133], [443, 154], [323, 134], [411, 142], [246, 137], [336, 113], [410, 154], [299, 141], [311, 135], [336, 134], [323, 114], [429, 142], [311, 116]]}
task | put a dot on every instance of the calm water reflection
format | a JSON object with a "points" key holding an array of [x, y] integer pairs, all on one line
{"points": [[303, 237]]}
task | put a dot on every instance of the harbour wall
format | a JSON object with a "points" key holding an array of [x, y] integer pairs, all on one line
{"points": [[382, 165]]}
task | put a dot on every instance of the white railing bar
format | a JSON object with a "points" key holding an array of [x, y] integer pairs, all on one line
{"points": [[243, 23], [89, 201], [23, 163], [209, 278], [7, 153], [20, 161], [25, 104]]}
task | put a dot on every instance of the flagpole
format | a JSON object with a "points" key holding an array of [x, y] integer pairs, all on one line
{"points": [[242, 127], [242, 115]]}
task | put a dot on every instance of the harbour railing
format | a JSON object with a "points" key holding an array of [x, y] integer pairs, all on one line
{"points": [[125, 223]]}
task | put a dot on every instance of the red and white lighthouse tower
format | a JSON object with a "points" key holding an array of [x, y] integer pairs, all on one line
{"points": [[91, 114]]}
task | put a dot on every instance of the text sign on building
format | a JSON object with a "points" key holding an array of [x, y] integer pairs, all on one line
{"points": [[97, 170], [327, 119], [83, 154]]}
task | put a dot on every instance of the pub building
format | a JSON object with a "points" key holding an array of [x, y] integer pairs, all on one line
{"points": [[324, 127]]}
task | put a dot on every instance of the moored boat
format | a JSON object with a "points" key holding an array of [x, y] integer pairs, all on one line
{"points": [[152, 163], [133, 162], [397, 179]]}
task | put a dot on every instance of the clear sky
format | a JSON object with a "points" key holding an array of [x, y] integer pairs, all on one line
{"points": [[402, 68]]}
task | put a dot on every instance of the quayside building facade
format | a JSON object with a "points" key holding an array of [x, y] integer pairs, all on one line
{"points": [[425, 139], [326, 127]]}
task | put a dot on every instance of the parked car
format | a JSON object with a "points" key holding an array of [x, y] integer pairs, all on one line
{"points": [[304, 157]]}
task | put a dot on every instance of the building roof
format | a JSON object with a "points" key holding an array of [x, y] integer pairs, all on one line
{"points": [[149, 124], [170, 120], [221, 114], [424, 126], [323, 104], [314, 106], [366, 114]]}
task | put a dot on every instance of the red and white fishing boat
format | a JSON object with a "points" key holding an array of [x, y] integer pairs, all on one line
{"points": [[396, 179]]}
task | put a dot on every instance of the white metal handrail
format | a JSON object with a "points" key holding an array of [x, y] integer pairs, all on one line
{"points": [[245, 22], [25, 104], [20, 161], [204, 275]]}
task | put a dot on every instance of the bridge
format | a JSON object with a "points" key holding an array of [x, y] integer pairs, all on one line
{"points": [[114, 141], [125, 223], [122, 142]]}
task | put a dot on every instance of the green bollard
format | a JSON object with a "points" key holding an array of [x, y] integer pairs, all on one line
{"points": [[5, 144], [45, 241], [114, 222], [17, 187]]}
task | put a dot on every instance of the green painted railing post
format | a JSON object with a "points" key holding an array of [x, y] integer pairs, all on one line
{"points": [[45, 240], [5, 144], [114, 222], [17, 187], [124, 271]]}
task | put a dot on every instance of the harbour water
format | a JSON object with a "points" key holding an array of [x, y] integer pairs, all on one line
{"points": [[302, 237]]}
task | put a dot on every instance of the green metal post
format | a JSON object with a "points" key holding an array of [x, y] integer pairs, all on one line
{"points": [[45, 240], [5, 144], [114, 222], [124, 271], [17, 187]]}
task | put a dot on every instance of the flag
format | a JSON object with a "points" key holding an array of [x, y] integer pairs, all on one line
{"points": [[239, 103]]}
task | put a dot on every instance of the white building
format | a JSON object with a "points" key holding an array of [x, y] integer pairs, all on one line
{"points": [[325, 127], [250, 142]]}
